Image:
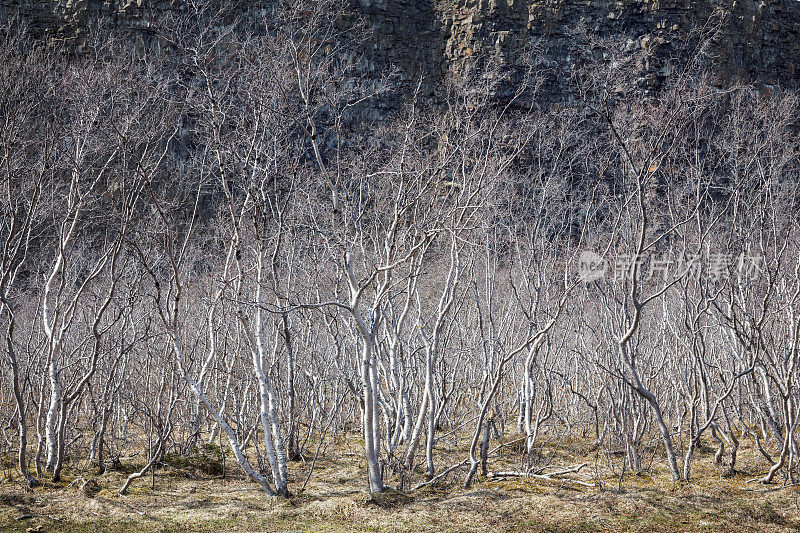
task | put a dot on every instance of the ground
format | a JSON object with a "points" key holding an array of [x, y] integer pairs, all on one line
{"points": [[190, 496]]}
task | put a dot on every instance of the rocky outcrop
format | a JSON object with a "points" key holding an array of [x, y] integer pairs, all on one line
{"points": [[759, 40]]}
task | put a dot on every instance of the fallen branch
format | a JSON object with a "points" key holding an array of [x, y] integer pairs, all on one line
{"points": [[440, 475], [774, 489], [552, 476]]}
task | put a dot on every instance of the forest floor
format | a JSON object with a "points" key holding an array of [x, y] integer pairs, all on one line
{"points": [[190, 495]]}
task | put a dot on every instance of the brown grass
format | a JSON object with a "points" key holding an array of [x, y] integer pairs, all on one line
{"points": [[334, 501]]}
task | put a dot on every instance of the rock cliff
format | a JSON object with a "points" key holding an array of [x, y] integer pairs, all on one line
{"points": [[759, 41]]}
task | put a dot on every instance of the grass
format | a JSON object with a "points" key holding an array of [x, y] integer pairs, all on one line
{"points": [[207, 460], [189, 495]]}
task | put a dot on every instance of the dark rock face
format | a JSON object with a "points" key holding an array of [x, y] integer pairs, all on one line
{"points": [[759, 40]]}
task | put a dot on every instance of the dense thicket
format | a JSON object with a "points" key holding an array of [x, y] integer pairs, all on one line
{"points": [[224, 231]]}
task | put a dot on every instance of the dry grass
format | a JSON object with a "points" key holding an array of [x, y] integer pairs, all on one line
{"points": [[184, 501]]}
